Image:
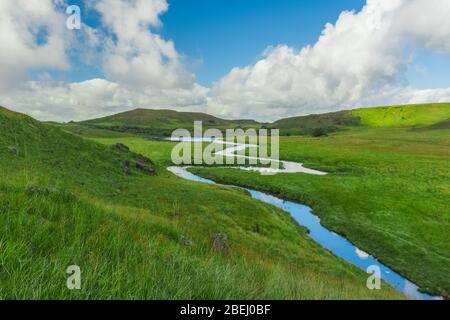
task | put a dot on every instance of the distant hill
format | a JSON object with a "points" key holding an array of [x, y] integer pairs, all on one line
{"points": [[316, 124], [163, 122], [425, 115]]}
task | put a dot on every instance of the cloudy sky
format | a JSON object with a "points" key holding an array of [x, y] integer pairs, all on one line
{"points": [[231, 58]]}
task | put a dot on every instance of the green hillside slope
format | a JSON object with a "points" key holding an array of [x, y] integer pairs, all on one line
{"points": [[68, 201], [316, 124], [162, 122], [392, 116], [403, 116]]}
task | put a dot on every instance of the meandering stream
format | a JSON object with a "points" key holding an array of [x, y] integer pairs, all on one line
{"points": [[337, 244]]}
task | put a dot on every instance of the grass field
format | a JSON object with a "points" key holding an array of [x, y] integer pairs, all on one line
{"points": [[403, 116], [388, 192], [66, 200]]}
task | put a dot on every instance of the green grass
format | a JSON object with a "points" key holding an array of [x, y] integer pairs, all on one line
{"points": [[403, 116], [393, 116], [161, 123], [387, 192], [64, 200], [90, 132], [317, 123]]}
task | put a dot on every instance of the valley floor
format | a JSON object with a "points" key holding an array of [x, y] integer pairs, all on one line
{"points": [[387, 192]]}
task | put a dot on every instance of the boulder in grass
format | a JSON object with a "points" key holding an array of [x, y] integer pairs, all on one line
{"points": [[13, 150], [121, 147], [220, 243], [126, 166], [143, 159], [146, 169], [186, 242]]}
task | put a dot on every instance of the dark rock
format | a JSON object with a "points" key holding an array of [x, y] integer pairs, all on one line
{"points": [[186, 242], [121, 147], [126, 166], [146, 169], [143, 159], [13, 151], [37, 190], [220, 243]]}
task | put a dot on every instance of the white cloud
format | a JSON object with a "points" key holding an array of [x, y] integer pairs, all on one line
{"points": [[359, 61], [138, 56], [61, 101], [31, 38], [141, 69], [426, 23]]}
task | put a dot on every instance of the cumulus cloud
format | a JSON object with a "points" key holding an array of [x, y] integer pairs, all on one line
{"points": [[359, 61], [32, 38], [426, 23], [138, 56], [140, 68], [61, 101]]}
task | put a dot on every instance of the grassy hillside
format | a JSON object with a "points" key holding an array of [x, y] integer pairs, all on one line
{"points": [[403, 116], [440, 125], [162, 122], [317, 124], [65, 200], [90, 131], [382, 117], [387, 191]]}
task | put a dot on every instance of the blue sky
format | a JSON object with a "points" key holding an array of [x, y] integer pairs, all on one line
{"points": [[227, 33], [429, 70], [215, 36]]}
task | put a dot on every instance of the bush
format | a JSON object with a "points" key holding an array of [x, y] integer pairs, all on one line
{"points": [[319, 132]]}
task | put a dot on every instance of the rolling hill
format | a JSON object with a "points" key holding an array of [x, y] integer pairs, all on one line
{"points": [[316, 125], [163, 122], [381, 117], [403, 116]]}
